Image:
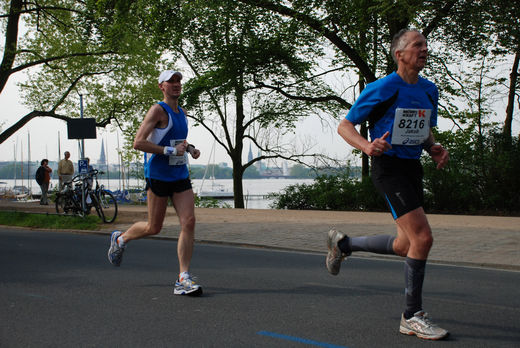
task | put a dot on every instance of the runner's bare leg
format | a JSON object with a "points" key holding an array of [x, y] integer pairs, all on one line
{"points": [[185, 207], [156, 213]]}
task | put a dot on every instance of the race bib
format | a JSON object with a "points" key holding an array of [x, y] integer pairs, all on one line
{"points": [[178, 160], [411, 126]]}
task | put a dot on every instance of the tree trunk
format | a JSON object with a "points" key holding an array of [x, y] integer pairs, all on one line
{"points": [[238, 188], [11, 42], [511, 99], [238, 169]]}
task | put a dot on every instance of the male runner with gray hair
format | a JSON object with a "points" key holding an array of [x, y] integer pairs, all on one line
{"points": [[401, 108]]}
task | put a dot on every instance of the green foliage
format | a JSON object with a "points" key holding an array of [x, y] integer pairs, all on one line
{"points": [[93, 48], [208, 202], [51, 221], [212, 170], [481, 177], [240, 56], [331, 192]]}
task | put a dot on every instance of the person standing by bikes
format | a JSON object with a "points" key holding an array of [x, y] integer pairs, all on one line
{"points": [[162, 136], [44, 180], [65, 170]]}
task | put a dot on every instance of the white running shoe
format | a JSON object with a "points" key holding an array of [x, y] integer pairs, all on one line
{"points": [[334, 256], [421, 326], [115, 252], [187, 286]]}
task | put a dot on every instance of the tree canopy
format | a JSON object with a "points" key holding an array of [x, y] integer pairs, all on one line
{"points": [[255, 67]]}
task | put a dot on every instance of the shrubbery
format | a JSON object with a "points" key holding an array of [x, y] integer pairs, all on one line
{"points": [[329, 192], [482, 177]]}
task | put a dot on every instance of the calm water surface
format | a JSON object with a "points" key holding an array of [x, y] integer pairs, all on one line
{"points": [[254, 189]]}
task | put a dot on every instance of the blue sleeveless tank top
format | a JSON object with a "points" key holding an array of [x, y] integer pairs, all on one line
{"points": [[163, 167]]}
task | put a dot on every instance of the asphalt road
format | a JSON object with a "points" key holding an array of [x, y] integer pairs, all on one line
{"points": [[58, 290]]}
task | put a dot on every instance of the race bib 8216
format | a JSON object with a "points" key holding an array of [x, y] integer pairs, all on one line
{"points": [[411, 126]]}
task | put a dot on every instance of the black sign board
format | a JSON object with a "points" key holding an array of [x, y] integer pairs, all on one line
{"points": [[82, 128]]}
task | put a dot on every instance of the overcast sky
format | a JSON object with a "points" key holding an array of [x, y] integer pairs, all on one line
{"points": [[43, 133]]}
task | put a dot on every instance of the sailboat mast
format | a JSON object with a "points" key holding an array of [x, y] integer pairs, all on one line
{"points": [[106, 162], [21, 158], [59, 146], [14, 154], [119, 159], [29, 182]]}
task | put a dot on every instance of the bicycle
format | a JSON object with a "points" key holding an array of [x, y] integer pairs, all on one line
{"points": [[77, 197]]}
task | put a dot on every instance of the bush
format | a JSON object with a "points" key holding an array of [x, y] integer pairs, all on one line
{"points": [[482, 177], [209, 202], [330, 192]]}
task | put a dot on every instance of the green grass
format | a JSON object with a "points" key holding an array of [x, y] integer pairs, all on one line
{"points": [[49, 221]]}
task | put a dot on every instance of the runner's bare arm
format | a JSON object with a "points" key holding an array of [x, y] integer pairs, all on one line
{"points": [[437, 152], [155, 118], [347, 130]]}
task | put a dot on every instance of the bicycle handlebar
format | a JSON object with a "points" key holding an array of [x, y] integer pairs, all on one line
{"points": [[92, 173]]}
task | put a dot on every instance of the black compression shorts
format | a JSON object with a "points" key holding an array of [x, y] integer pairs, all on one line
{"points": [[400, 182], [167, 188]]}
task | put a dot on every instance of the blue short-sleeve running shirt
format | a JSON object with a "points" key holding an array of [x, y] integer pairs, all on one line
{"points": [[383, 100], [163, 167]]}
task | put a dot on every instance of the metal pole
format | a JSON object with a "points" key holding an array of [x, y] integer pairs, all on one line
{"points": [[29, 182], [82, 157], [81, 114], [14, 153]]}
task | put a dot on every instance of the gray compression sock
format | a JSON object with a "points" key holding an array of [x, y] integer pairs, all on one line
{"points": [[414, 278], [382, 244]]}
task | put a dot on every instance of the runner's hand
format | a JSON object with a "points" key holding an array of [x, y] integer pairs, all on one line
{"points": [[195, 153], [440, 155], [378, 146], [181, 148]]}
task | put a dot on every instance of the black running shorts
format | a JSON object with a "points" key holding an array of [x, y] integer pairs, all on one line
{"points": [[167, 188], [400, 182]]}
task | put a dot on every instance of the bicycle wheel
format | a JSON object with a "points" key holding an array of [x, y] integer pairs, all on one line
{"points": [[96, 205], [64, 205], [108, 206]]}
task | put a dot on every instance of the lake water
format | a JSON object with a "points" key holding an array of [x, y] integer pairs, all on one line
{"points": [[254, 189]]}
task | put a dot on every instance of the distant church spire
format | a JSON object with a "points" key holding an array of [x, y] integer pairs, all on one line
{"points": [[102, 159]]}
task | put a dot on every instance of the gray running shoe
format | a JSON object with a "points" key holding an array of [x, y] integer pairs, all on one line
{"points": [[187, 286], [421, 326], [335, 256], [115, 252]]}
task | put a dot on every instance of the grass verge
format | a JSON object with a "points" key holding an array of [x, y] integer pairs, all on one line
{"points": [[59, 222]]}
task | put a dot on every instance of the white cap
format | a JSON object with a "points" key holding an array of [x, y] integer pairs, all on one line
{"points": [[167, 75]]}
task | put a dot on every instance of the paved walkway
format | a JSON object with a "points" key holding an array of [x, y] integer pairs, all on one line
{"points": [[459, 239]]}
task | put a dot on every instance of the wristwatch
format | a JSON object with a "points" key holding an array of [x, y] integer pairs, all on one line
{"points": [[427, 148]]}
